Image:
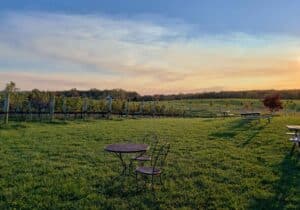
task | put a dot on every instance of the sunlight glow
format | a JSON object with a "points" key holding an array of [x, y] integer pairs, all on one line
{"points": [[58, 51]]}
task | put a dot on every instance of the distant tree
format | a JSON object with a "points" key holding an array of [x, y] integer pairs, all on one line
{"points": [[11, 87], [273, 102], [9, 90]]}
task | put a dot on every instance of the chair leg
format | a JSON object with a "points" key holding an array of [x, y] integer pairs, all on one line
{"points": [[136, 180], [152, 182], [130, 166], [160, 180]]}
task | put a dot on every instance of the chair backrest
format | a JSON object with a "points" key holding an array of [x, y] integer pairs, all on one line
{"points": [[160, 156], [149, 137], [152, 140]]}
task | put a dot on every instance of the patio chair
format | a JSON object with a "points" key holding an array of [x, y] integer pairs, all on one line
{"points": [[156, 167], [152, 141], [296, 141]]}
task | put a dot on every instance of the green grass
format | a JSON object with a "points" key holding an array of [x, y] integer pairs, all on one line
{"points": [[214, 107], [213, 164]]}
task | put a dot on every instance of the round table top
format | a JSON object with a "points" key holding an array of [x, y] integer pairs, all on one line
{"points": [[126, 148]]}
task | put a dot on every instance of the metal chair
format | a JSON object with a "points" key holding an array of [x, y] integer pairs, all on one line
{"points": [[152, 140], [296, 141], [156, 167]]}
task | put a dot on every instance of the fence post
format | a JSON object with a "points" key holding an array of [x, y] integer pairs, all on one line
{"points": [[109, 100], [29, 110], [142, 107], [85, 107], [127, 107], [6, 108], [64, 108], [52, 106], [153, 109]]}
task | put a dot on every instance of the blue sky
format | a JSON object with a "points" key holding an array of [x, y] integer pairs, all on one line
{"points": [[210, 16], [150, 46]]}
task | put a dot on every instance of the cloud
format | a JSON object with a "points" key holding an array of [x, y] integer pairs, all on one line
{"points": [[51, 50]]}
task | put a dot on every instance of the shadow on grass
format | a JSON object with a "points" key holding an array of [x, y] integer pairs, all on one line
{"points": [[127, 189], [22, 124], [286, 190], [14, 126], [56, 122], [223, 135], [250, 130], [246, 125]]}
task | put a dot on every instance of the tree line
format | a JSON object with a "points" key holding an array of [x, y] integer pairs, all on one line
{"points": [[135, 96], [247, 94]]}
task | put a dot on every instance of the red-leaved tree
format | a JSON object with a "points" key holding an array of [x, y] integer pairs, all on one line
{"points": [[273, 102]]}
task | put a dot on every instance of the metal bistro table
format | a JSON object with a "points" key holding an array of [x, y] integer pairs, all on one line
{"points": [[126, 148], [296, 137]]}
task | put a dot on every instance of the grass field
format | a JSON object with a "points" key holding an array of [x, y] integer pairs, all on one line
{"points": [[214, 107], [213, 164]]}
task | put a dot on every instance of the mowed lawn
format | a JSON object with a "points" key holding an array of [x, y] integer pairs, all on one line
{"points": [[213, 164]]}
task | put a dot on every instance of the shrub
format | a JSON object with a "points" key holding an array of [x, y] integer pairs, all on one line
{"points": [[273, 102]]}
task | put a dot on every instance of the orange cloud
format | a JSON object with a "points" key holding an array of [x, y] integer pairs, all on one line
{"points": [[55, 51]]}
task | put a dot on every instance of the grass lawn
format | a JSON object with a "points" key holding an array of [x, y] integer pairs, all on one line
{"points": [[213, 164], [213, 107]]}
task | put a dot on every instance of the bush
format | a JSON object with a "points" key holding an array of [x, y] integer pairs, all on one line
{"points": [[273, 102]]}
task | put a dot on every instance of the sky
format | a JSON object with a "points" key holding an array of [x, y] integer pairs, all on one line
{"points": [[152, 47]]}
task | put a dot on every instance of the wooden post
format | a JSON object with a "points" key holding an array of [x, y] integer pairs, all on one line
{"points": [[64, 108], [142, 107], [30, 110], [17, 115], [6, 108], [109, 101], [85, 107], [127, 107], [153, 109], [52, 106]]}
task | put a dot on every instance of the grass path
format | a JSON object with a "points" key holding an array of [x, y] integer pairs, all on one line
{"points": [[214, 163]]}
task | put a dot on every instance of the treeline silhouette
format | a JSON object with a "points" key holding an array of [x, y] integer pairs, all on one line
{"points": [[135, 96], [249, 94]]}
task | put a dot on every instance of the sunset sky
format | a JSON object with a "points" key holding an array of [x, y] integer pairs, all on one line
{"points": [[153, 46]]}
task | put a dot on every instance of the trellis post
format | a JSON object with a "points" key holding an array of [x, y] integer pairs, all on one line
{"points": [[109, 101], [85, 107], [127, 107], [64, 108], [153, 108], [6, 108], [52, 106], [30, 110], [142, 107]]}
